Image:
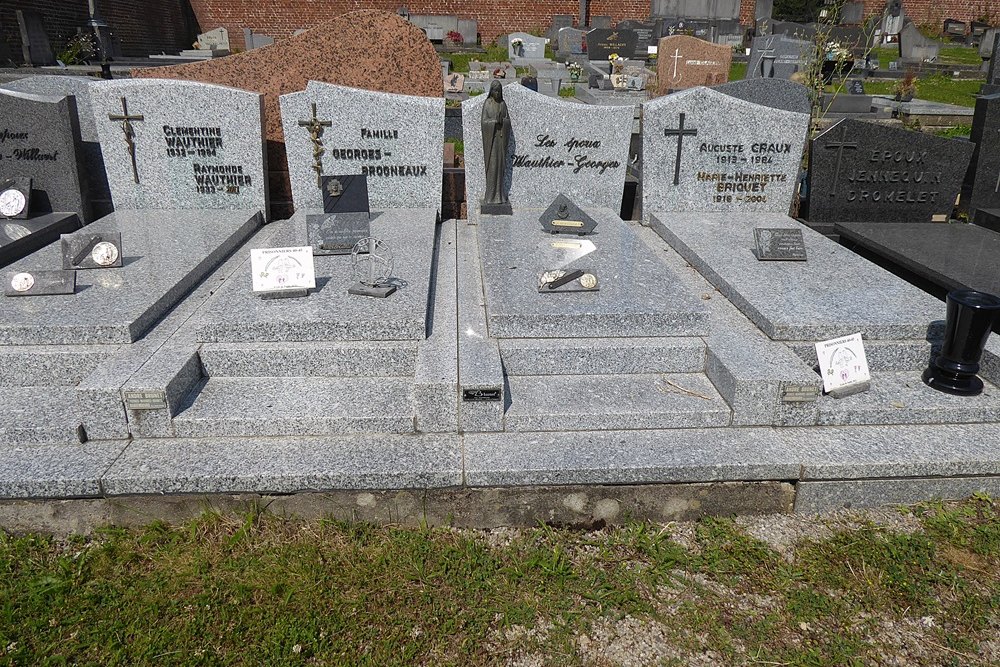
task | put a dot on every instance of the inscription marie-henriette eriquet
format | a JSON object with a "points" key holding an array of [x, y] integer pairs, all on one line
{"points": [[23, 153], [375, 156], [742, 184], [577, 160], [205, 142]]}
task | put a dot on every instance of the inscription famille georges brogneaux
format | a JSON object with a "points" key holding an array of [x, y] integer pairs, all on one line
{"points": [[576, 158], [205, 142], [377, 155]]}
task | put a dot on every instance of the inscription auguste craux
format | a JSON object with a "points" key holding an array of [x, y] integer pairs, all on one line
{"points": [[577, 159]]}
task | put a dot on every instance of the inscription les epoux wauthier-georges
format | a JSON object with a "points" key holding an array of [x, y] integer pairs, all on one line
{"points": [[573, 154]]}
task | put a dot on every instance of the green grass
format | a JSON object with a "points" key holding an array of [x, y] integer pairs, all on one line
{"points": [[737, 71], [460, 61], [264, 590], [934, 89], [951, 55], [567, 91]]}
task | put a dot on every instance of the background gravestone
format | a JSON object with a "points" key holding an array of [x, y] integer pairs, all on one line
{"points": [[778, 55], [35, 46], [531, 47], [79, 88], [396, 140], [559, 21], [556, 147], [707, 151], [914, 47], [684, 62], [644, 37], [214, 40], [197, 146], [40, 139], [774, 93], [981, 188], [992, 85], [602, 42], [572, 41], [868, 172], [367, 49]]}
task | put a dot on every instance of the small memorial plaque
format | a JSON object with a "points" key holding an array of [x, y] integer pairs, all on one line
{"points": [[40, 283], [15, 198], [856, 87], [568, 280], [480, 395], [91, 251], [565, 217], [336, 233], [282, 272], [345, 194], [843, 365], [145, 400], [779, 244]]}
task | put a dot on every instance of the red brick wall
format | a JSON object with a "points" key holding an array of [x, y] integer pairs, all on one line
{"points": [[142, 26]]}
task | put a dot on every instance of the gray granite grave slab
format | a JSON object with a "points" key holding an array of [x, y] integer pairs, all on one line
{"points": [[855, 296], [704, 150], [79, 88], [572, 41], [198, 146], [638, 296], [396, 140], [41, 141], [286, 465], [555, 147], [49, 365], [166, 254], [869, 172], [39, 416], [602, 356], [56, 471], [603, 42], [981, 188], [777, 57], [235, 314], [531, 47], [775, 93]]}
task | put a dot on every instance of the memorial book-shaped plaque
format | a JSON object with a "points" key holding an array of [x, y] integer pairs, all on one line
{"points": [[345, 194], [779, 244], [40, 283], [282, 272], [564, 217], [336, 233], [91, 251]]}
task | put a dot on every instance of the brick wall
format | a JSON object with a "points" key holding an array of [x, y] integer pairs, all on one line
{"points": [[280, 18], [142, 26]]}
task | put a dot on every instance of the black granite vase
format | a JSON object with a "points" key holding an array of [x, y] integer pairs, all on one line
{"points": [[970, 319]]}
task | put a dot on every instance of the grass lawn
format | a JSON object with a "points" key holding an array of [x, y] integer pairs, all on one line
{"points": [[460, 61], [923, 584], [934, 89], [951, 55]]}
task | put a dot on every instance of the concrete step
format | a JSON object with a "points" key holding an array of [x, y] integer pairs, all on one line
{"points": [[614, 402], [326, 359], [902, 398], [282, 406], [602, 356], [39, 416], [49, 365]]}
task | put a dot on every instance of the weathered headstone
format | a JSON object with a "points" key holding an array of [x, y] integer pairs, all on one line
{"points": [[684, 62], [868, 172], [992, 85], [914, 47], [987, 43], [522, 46], [253, 41], [894, 17], [395, 140], [40, 140], [559, 21], [556, 147], [981, 188], [644, 37], [777, 57], [214, 40], [35, 46], [955, 29], [572, 41], [181, 145], [602, 42], [600, 22], [79, 88], [707, 151], [775, 93]]}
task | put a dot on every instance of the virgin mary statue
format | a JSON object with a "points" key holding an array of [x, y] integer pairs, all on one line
{"points": [[496, 137]]}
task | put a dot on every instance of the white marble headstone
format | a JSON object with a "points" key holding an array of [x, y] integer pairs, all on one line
{"points": [[396, 140], [556, 147], [197, 145], [707, 151]]}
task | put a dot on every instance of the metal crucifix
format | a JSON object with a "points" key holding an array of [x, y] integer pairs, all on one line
{"points": [[126, 120]]}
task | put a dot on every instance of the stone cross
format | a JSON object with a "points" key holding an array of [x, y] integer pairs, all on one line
{"points": [[680, 133], [126, 120], [315, 126], [839, 146]]}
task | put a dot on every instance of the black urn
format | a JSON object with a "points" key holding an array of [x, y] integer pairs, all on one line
{"points": [[970, 319]]}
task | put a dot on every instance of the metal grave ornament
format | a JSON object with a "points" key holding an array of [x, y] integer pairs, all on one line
{"points": [[15, 194], [373, 266], [564, 217], [40, 283], [563, 277], [336, 233], [345, 194], [128, 132], [91, 251], [779, 244]]}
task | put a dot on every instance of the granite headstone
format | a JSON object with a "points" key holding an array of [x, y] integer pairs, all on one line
{"points": [[559, 21], [775, 93], [869, 172], [706, 9], [915, 48], [555, 147], [981, 187], [572, 42], [777, 57], [522, 46], [685, 62], [704, 150], [602, 42], [644, 37], [35, 46], [181, 145], [40, 140], [395, 140]]}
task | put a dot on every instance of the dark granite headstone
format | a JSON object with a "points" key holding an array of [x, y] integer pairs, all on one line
{"points": [[992, 85], [600, 22], [644, 37], [35, 44], [559, 21], [779, 244], [336, 233], [774, 93], [565, 217], [987, 42], [602, 42], [867, 172], [955, 29], [790, 29], [981, 189], [777, 57], [345, 194], [852, 13]]}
